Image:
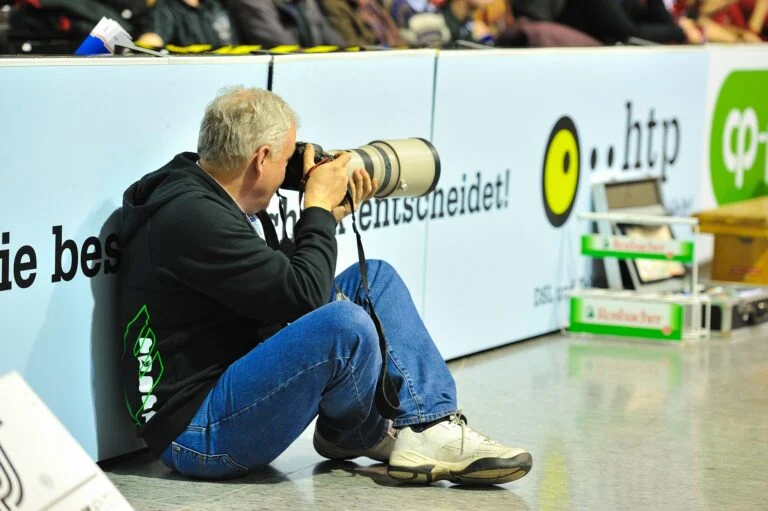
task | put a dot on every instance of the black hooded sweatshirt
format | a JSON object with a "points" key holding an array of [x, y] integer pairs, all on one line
{"points": [[199, 289]]}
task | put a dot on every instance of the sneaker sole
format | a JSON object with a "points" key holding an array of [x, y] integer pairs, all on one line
{"points": [[327, 450], [482, 471], [332, 452]]}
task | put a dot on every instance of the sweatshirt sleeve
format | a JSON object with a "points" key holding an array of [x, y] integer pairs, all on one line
{"points": [[206, 246]]}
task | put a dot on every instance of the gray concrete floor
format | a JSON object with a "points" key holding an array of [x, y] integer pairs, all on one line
{"points": [[611, 425]]}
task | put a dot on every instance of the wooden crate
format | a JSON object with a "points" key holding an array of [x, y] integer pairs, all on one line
{"points": [[741, 240]]}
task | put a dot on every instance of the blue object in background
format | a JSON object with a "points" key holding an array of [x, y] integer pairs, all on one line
{"points": [[92, 46]]}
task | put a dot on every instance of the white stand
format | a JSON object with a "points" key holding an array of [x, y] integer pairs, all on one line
{"points": [[691, 301]]}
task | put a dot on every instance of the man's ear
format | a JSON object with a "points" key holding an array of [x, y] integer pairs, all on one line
{"points": [[260, 157]]}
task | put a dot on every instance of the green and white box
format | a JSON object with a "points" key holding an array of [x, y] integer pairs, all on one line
{"points": [[624, 247], [631, 318]]}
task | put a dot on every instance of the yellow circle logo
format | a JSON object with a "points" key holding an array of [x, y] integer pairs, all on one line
{"points": [[560, 178]]}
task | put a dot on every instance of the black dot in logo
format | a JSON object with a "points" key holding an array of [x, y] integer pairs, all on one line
{"points": [[610, 157], [593, 159], [566, 162]]}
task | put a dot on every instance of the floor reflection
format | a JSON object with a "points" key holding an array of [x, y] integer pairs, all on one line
{"points": [[611, 424]]}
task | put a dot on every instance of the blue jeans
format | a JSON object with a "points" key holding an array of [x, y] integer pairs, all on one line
{"points": [[325, 363]]}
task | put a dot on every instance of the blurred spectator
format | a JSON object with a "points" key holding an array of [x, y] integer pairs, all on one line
{"points": [[531, 24], [363, 22], [186, 22], [495, 18], [373, 13], [728, 21], [539, 10], [619, 20], [278, 22], [421, 23], [460, 19], [758, 21], [496, 15], [342, 15], [132, 10], [5, 26]]}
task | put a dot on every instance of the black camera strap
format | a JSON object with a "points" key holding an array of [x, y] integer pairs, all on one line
{"points": [[387, 399]]}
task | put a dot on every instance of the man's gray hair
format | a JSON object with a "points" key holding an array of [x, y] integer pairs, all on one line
{"points": [[239, 121]]}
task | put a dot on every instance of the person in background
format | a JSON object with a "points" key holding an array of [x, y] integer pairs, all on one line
{"points": [[283, 22], [614, 21], [379, 19], [363, 22], [186, 22], [727, 21], [531, 27], [421, 22], [464, 26], [342, 15]]}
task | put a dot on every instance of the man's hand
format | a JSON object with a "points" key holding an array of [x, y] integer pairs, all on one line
{"points": [[327, 186], [361, 188]]}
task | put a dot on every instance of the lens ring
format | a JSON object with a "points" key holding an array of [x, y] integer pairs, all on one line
{"points": [[397, 160], [387, 167], [436, 158], [367, 162]]}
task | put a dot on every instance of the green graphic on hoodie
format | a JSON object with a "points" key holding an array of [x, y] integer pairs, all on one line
{"points": [[143, 343]]}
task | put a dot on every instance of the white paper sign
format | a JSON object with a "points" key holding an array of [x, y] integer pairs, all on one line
{"points": [[42, 467]]}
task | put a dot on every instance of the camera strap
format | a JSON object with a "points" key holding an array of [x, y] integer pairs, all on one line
{"points": [[387, 399]]}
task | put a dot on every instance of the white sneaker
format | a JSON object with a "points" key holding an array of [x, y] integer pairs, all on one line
{"points": [[453, 451], [379, 452]]}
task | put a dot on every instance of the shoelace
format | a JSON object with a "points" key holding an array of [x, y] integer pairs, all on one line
{"points": [[458, 419], [391, 431]]}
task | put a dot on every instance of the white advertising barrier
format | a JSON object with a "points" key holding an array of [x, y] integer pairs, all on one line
{"points": [[522, 136], [735, 148], [42, 467], [348, 100], [74, 134]]}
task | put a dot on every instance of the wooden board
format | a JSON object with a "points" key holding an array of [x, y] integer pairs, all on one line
{"points": [[747, 218]]}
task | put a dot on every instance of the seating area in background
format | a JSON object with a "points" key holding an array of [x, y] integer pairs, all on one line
{"points": [[57, 27]]}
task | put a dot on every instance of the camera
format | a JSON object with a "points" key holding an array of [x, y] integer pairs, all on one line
{"points": [[408, 167]]}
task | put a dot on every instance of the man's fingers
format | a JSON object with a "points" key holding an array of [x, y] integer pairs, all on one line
{"points": [[357, 180], [309, 157], [364, 187], [352, 190], [343, 158], [354, 186], [367, 186]]}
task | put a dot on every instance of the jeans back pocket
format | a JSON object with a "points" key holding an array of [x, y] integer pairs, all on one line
{"points": [[191, 463]]}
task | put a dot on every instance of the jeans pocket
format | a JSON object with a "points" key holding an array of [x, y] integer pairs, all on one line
{"points": [[191, 463]]}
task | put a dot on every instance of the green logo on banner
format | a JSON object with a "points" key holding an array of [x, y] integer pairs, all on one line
{"points": [[738, 159]]}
